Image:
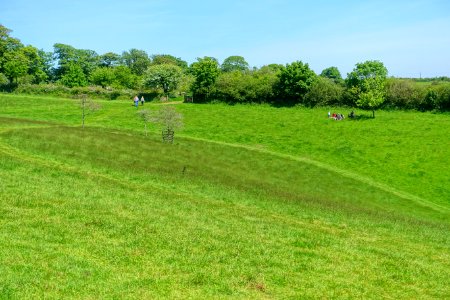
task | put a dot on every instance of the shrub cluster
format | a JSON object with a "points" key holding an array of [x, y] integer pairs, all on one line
{"points": [[419, 95], [263, 86], [64, 91]]}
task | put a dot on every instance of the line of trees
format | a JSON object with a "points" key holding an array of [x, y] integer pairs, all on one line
{"points": [[367, 86]]}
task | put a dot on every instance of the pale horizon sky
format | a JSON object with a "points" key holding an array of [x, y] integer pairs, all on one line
{"points": [[411, 37]]}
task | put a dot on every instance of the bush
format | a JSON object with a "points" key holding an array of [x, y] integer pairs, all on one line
{"points": [[245, 87], [430, 99], [404, 94], [442, 101], [294, 83], [3, 80], [59, 90], [324, 91]]}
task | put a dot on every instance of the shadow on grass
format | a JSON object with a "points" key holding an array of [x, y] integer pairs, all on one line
{"points": [[361, 118]]}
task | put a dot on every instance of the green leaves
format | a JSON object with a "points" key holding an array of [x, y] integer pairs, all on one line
{"points": [[102, 76], [74, 76], [137, 60], [234, 63], [164, 76], [333, 74], [295, 81], [15, 64], [206, 70], [369, 80]]}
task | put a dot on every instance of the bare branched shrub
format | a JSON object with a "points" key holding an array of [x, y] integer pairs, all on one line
{"points": [[145, 116], [169, 120], [87, 106]]}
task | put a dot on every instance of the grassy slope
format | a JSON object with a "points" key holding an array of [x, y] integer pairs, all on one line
{"points": [[98, 213]]}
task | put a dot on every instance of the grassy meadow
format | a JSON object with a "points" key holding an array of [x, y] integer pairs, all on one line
{"points": [[249, 202]]}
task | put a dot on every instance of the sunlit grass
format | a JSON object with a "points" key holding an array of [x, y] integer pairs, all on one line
{"points": [[106, 212]]}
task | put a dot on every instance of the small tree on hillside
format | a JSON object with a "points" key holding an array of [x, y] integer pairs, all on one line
{"points": [[145, 116], [169, 120], [87, 106], [371, 95]]}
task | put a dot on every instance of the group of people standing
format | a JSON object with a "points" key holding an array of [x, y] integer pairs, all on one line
{"points": [[136, 100]]}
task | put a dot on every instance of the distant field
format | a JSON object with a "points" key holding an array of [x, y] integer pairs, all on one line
{"points": [[249, 202]]}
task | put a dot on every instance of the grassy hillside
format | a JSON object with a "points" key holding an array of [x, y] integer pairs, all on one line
{"points": [[250, 202]]}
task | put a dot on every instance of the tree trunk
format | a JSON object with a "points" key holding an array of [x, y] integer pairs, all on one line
{"points": [[373, 114], [82, 114]]}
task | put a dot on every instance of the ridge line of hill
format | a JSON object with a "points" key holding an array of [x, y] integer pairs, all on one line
{"points": [[346, 173]]}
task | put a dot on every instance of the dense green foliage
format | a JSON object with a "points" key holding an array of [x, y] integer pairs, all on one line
{"points": [[333, 74], [137, 60], [205, 70], [324, 91], [25, 69], [167, 59], [164, 76], [367, 83], [234, 63], [289, 204], [295, 81], [246, 87]]}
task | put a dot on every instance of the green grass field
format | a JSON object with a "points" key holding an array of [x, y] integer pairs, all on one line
{"points": [[249, 202]]}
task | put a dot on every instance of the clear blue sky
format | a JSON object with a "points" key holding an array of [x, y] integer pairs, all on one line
{"points": [[411, 37]]}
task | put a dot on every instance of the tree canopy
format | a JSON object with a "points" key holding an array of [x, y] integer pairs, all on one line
{"points": [[333, 74], [205, 70], [161, 59], [367, 82], [134, 71], [295, 81], [234, 63], [164, 76], [137, 60]]}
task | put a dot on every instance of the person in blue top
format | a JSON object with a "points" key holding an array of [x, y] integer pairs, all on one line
{"points": [[136, 101]]}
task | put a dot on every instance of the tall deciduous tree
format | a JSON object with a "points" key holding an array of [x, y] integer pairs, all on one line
{"points": [[15, 64], [137, 60], [7, 43], [67, 56], [165, 76], [367, 81], [333, 74], [109, 59], [295, 81], [74, 76], [123, 77], [164, 59], [205, 70], [234, 63], [37, 67], [102, 76]]}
